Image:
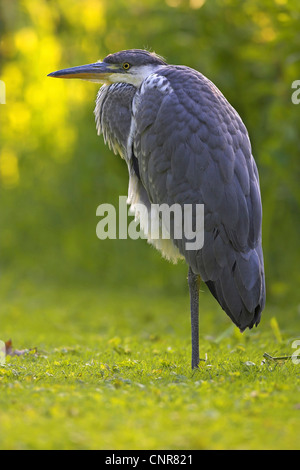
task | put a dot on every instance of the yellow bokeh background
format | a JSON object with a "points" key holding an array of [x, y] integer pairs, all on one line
{"points": [[48, 142]]}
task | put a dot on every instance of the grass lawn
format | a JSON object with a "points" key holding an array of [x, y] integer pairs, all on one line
{"points": [[111, 370]]}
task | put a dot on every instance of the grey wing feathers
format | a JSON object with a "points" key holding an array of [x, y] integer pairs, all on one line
{"points": [[192, 147]]}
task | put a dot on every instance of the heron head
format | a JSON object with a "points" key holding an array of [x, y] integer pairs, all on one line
{"points": [[130, 66]]}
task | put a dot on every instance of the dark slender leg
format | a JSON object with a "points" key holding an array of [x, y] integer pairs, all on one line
{"points": [[194, 281]]}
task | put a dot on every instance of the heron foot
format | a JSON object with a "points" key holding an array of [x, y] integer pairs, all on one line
{"points": [[195, 364]]}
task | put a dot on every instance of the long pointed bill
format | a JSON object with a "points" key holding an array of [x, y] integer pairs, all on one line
{"points": [[97, 72]]}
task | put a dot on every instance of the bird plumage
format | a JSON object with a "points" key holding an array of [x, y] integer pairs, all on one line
{"points": [[184, 143], [191, 146]]}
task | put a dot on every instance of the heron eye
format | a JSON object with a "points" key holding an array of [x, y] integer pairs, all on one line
{"points": [[126, 66]]}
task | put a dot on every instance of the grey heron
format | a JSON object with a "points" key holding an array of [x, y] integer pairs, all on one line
{"points": [[184, 143]]}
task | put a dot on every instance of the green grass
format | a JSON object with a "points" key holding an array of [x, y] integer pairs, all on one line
{"points": [[111, 370]]}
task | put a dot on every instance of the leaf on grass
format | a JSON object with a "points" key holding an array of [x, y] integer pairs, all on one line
{"points": [[10, 351], [279, 359]]}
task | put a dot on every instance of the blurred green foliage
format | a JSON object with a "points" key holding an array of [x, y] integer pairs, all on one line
{"points": [[55, 170]]}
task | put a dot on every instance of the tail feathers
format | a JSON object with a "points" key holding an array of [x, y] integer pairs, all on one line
{"points": [[240, 289]]}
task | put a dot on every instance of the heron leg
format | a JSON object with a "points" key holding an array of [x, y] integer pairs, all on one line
{"points": [[194, 281]]}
